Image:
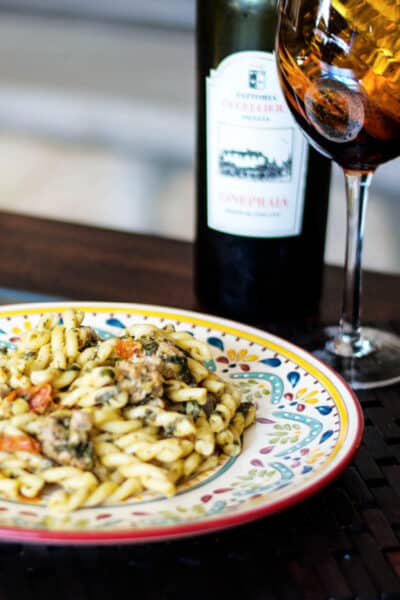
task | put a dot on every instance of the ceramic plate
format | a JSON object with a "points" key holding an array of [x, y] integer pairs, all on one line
{"points": [[309, 425]]}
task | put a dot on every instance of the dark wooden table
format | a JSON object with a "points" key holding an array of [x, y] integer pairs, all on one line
{"points": [[341, 544]]}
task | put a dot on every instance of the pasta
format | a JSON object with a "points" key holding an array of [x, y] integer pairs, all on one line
{"points": [[89, 422]]}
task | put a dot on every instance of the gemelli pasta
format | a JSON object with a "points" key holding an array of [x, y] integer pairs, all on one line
{"points": [[88, 422]]}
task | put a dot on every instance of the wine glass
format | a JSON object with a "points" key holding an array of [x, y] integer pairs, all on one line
{"points": [[339, 68]]}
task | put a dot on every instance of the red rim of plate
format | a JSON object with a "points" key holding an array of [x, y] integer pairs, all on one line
{"points": [[158, 534]]}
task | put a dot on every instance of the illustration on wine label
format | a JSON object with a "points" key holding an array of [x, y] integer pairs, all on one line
{"points": [[255, 165]]}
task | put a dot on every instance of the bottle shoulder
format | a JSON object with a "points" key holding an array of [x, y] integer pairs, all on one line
{"points": [[227, 26]]}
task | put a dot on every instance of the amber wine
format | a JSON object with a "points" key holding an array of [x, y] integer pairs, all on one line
{"points": [[341, 76], [262, 193]]}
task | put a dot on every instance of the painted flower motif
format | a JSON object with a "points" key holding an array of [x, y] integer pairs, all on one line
{"points": [[241, 355], [234, 358], [285, 434], [305, 396], [314, 456], [253, 391], [18, 331]]}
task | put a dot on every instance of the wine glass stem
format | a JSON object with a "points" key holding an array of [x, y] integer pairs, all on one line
{"points": [[349, 341]]}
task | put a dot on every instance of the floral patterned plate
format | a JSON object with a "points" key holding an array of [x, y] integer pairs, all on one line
{"points": [[309, 425]]}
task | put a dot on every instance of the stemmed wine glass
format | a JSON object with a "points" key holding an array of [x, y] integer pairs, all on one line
{"points": [[339, 68]]}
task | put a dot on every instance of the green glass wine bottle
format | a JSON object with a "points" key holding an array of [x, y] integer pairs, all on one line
{"points": [[262, 193]]}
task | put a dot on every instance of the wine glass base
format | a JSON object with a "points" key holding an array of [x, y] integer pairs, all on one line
{"points": [[379, 368]]}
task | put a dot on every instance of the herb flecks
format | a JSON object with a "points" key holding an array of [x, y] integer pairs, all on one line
{"points": [[181, 360], [150, 346]]}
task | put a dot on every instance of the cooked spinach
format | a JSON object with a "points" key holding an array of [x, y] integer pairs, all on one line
{"points": [[83, 449], [107, 372], [105, 395], [193, 409], [182, 362], [150, 346], [63, 421], [244, 408], [61, 446], [210, 404]]}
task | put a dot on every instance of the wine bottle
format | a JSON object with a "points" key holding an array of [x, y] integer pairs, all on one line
{"points": [[262, 192]]}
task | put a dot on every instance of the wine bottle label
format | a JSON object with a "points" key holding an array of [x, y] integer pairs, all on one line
{"points": [[257, 155]]}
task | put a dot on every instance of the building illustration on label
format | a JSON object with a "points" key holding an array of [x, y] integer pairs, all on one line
{"points": [[250, 164]]}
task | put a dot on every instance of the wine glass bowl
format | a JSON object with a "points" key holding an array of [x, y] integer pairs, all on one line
{"points": [[341, 77], [339, 68]]}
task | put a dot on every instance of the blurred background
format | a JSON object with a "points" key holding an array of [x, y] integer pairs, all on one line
{"points": [[97, 123]]}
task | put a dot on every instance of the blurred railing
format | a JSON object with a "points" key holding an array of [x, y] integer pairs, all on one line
{"points": [[178, 13]]}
